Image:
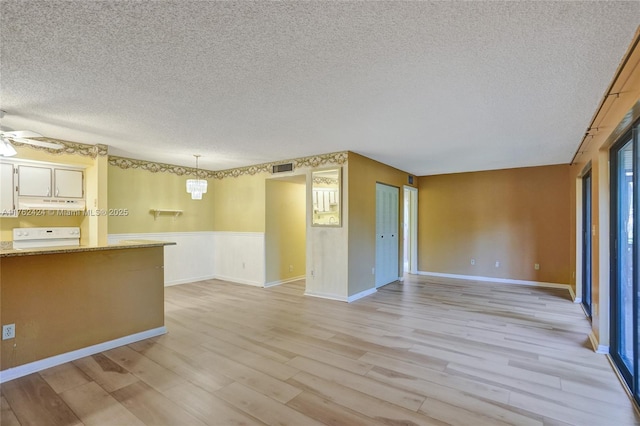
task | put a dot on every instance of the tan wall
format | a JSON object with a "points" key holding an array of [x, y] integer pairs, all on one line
{"points": [[239, 203], [64, 302], [517, 217], [52, 219], [139, 191], [364, 173], [285, 230]]}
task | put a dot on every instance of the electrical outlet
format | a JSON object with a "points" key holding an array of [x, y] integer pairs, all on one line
{"points": [[290, 268], [373, 271], [243, 265], [536, 266], [473, 261], [497, 264], [8, 331]]}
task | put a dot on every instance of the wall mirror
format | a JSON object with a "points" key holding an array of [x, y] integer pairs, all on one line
{"points": [[326, 197]]}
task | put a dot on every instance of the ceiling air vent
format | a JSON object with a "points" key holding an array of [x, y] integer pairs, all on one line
{"points": [[280, 168]]}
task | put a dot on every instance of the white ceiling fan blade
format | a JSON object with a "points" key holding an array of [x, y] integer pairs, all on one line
{"points": [[19, 134], [43, 144], [25, 136]]}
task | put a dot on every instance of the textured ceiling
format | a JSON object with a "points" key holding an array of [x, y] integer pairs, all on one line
{"points": [[428, 87]]}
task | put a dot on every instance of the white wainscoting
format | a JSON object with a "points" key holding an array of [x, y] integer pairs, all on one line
{"points": [[232, 256], [240, 257]]}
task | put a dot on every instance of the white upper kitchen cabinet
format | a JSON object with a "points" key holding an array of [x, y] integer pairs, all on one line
{"points": [[7, 190], [42, 181], [34, 181], [68, 183]]}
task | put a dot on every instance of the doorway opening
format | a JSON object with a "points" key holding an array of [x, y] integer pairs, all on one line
{"points": [[410, 228], [285, 229]]}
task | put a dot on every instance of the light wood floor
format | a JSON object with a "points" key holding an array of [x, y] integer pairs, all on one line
{"points": [[428, 351]]}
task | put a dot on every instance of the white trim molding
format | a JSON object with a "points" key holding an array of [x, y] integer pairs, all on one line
{"points": [[360, 295], [288, 280], [329, 296], [43, 364], [600, 349], [498, 280], [340, 298]]}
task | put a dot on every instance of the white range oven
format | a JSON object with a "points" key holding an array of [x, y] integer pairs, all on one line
{"points": [[24, 238]]}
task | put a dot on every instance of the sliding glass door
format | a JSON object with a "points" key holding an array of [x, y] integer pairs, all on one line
{"points": [[625, 301]]}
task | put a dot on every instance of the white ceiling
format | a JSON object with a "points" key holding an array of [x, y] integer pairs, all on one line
{"points": [[428, 87]]}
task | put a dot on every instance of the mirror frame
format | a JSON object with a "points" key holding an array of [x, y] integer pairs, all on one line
{"points": [[314, 218]]}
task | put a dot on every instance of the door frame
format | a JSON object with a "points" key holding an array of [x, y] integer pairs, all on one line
{"points": [[412, 192], [397, 275], [587, 238], [630, 374]]}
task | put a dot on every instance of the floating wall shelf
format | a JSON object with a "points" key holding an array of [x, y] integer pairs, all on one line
{"points": [[158, 212]]}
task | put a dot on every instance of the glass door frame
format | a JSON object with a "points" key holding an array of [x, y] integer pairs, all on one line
{"points": [[631, 373]]}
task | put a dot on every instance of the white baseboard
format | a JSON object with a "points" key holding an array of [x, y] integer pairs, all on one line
{"points": [[360, 295], [237, 280], [497, 280], [288, 280], [329, 296], [189, 280], [600, 349], [573, 295], [43, 364]]}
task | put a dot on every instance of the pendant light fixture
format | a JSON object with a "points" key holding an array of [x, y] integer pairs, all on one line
{"points": [[196, 187]]}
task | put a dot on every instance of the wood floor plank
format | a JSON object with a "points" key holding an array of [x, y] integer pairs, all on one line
{"points": [[207, 407], [258, 362], [34, 402], [96, 407], [327, 412], [109, 375], [7, 416], [377, 409], [145, 369], [153, 408], [64, 377], [409, 400], [262, 407], [268, 385], [427, 351], [186, 367]]}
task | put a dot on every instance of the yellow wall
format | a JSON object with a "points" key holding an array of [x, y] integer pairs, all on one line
{"points": [[139, 191], [50, 218], [285, 230], [364, 173], [239, 203], [518, 217]]}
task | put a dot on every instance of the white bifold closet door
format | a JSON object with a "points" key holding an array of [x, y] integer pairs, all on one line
{"points": [[387, 206]]}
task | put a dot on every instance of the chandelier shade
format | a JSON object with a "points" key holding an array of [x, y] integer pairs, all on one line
{"points": [[196, 187]]}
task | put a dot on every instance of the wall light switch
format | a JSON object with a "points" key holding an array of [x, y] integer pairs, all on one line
{"points": [[473, 261]]}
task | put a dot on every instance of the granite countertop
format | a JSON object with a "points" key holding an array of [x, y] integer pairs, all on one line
{"points": [[125, 244]]}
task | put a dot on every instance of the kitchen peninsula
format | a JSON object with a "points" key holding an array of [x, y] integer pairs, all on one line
{"points": [[70, 302]]}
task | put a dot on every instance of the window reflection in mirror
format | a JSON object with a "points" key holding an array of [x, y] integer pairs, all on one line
{"points": [[326, 197]]}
